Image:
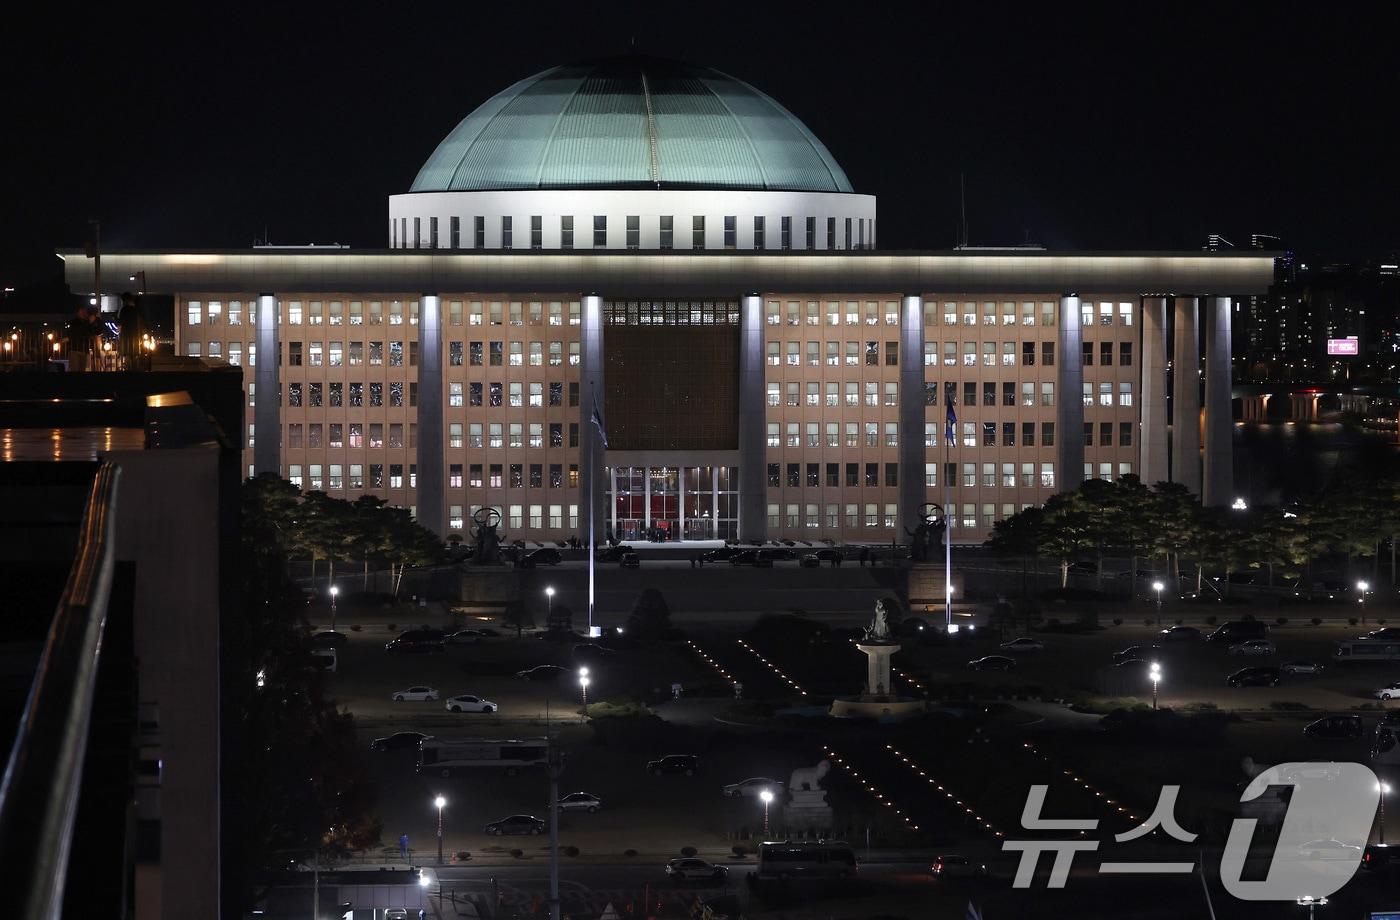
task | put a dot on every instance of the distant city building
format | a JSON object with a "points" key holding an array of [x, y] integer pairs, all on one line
{"points": [[665, 254]]}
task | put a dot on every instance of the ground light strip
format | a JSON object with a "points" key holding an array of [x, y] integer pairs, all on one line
{"points": [[868, 786], [935, 784], [1118, 806], [711, 662], [772, 667]]}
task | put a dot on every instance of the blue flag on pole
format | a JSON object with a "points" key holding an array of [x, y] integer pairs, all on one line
{"points": [[598, 423], [952, 420]]}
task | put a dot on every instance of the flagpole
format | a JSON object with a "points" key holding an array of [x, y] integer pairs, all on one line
{"points": [[592, 480], [947, 543]]}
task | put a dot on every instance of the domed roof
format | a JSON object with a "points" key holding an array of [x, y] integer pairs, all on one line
{"points": [[631, 122]]}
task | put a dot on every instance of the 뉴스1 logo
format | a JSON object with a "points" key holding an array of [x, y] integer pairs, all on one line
{"points": [[1319, 848]]}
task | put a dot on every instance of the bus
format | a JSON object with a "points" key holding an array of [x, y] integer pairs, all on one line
{"points": [[823, 859], [445, 757], [1366, 650]]}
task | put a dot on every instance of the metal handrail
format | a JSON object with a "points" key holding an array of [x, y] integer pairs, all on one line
{"points": [[40, 789]]}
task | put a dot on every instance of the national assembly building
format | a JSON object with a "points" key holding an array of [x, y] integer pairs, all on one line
{"points": [[646, 288]]}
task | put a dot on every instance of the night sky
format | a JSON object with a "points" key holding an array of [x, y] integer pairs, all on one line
{"points": [[1117, 127]]}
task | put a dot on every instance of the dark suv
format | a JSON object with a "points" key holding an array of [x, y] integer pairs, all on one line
{"points": [[1254, 677], [1335, 728], [426, 641], [687, 764], [1239, 631], [545, 555]]}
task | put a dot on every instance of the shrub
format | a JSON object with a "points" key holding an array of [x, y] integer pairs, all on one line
{"points": [[393, 627], [570, 851], [1117, 621], [1282, 621], [1352, 621], [356, 628], [463, 855], [688, 851], [1147, 621], [629, 853], [651, 616], [1289, 706], [1210, 620], [739, 851], [1381, 621], [1317, 621], [517, 853], [1179, 621], [1200, 706]]}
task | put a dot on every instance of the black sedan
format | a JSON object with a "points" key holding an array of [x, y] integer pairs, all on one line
{"points": [[399, 741], [613, 553], [1179, 634], [515, 825], [720, 554], [1254, 677], [329, 638], [542, 672], [992, 663], [545, 555]]}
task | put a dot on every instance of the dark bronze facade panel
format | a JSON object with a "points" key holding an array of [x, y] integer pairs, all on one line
{"points": [[672, 386]]}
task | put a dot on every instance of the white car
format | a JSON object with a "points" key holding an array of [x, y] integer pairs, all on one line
{"points": [[1023, 644], [580, 801], [1329, 848], [752, 787], [469, 703], [1254, 647], [1390, 691], [415, 694]]}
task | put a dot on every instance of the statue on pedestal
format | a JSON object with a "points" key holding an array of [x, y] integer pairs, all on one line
{"points": [[928, 534], [879, 628], [488, 543]]}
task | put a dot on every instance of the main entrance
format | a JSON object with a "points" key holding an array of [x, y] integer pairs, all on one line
{"points": [[670, 503]]}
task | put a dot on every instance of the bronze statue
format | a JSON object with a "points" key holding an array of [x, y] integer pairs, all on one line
{"points": [[929, 533], [488, 543]]}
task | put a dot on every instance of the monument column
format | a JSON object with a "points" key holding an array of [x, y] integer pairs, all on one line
{"points": [[267, 396], [1069, 402], [912, 492], [1152, 430], [753, 518], [1186, 397], [1219, 480], [432, 514], [593, 497]]}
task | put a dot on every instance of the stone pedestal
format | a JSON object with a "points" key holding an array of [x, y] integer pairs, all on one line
{"points": [[878, 679], [879, 699]]}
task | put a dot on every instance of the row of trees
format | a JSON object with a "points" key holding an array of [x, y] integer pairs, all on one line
{"points": [[367, 530], [1126, 518]]}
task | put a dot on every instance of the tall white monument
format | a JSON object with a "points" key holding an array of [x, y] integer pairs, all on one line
{"points": [[878, 699]]}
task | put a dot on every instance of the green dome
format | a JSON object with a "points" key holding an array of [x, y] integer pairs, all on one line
{"points": [[631, 122]]}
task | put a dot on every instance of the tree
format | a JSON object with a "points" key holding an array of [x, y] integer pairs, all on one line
{"points": [[651, 616], [1066, 531], [1019, 535]]}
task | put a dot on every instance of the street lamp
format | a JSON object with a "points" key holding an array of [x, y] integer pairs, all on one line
{"points": [[583, 688], [548, 606], [1155, 675], [1382, 788], [1158, 586], [1311, 902], [335, 592], [1240, 505], [767, 796], [439, 802], [1363, 587]]}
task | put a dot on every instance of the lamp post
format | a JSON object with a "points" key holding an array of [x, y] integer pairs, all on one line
{"points": [[583, 688], [767, 796], [1157, 586], [1155, 675], [1310, 903], [335, 592], [1382, 788], [439, 802], [548, 607], [1363, 587]]}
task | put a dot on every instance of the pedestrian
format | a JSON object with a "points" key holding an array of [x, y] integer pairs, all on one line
{"points": [[403, 845], [864, 555]]}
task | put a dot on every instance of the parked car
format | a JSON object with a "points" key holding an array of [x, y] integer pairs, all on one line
{"points": [[720, 554], [1378, 856], [1335, 728], [687, 764], [630, 561], [1391, 717], [1125, 663], [992, 663], [468, 703], [1330, 848], [752, 787], [782, 553], [592, 651], [415, 695], [1254, 647], [580, 801], [1254, 677], [829, 554], [1179, 634], [758, 558], [613, 553], [693, 867], [465, 637], [809, 561], [417, 640], [516, 824], [947, 868], [1023, 644], [1386, 632], [399, 741], [1301, 667], [1136, 651], [545, 555], [542, 672], [1238, 631], [1390, 691], [329, 638]]}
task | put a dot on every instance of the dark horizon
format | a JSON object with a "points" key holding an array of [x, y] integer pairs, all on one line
{"points": [[1116, 132]]}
